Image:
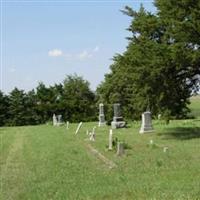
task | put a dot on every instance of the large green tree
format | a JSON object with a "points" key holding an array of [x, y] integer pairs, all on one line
{"points": [[155, 71], [181, 20]]}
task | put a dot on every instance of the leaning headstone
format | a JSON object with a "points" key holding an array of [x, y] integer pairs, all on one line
{"points": [[146, 126], [110, 140], [102, 121], [118, 121], [79, 126], [54, 120], [120, 148]]}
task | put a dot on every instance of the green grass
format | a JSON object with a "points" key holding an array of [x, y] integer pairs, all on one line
{"points": [[46, 162], [195, 106]]}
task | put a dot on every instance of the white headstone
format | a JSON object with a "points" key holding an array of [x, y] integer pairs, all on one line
{"points": [[102, 121], [67, 125], [79, 126], [146, 123], [165, 149], [54, 120], [110, 140]]}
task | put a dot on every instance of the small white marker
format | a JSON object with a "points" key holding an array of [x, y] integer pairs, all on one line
{"points": [[165, 149], [93, 130], [110, 140], [67, 125], [151, 142], [79, 126]]}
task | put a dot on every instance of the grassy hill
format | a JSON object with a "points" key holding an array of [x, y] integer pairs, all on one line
{"points": [[195, 106], [46, 162]]}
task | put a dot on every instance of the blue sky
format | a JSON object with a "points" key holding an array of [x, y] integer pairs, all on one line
{"points": [[47, 40]]}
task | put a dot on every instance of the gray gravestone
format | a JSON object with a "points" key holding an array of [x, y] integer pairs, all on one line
{"points": [[120, 148], [118, 121], [102, 121], [59, 120], [146, 126]]}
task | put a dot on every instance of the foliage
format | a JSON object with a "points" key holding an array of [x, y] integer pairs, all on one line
{"points": [[21, 109], [78, 99], [46, 100], [160, 68], [3, 109], [17, 109], [73, 100]]}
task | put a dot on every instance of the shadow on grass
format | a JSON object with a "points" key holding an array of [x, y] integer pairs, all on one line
{"points": [[182, 133]]}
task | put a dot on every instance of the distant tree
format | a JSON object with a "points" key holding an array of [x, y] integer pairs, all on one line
{"points": [[17, 110], [57, 102], [30, 105], [45, 102], [73, 100], [3, 109], [78, 99]]}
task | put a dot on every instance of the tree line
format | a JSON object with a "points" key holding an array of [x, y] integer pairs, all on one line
{"points": [[159, 70], [73, 99]]}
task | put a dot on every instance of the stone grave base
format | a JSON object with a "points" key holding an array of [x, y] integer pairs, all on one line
{"points": [[59, 124], [102, 124], [119, 124], [146, 129]]}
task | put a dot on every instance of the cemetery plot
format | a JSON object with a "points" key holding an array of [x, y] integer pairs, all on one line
{"points": [[43, 162]]}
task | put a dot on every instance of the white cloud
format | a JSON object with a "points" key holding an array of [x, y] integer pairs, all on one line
{"points": [[55, 53], [84, 55], [96, 49]]}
